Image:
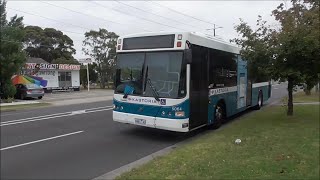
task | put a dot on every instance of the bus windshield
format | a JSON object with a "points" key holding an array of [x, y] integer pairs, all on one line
{"points": [[163, 69]]}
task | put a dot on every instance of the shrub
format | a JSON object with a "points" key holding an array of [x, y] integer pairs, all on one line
{"points": [[8, 90]]}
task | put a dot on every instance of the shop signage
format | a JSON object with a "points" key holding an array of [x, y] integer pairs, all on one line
{"points": [[44, 66]]}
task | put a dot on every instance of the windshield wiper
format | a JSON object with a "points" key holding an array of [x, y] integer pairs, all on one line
{"points": [[154, 91]]}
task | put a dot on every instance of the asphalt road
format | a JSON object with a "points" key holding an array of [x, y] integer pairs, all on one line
{"points": [[78, 141]]}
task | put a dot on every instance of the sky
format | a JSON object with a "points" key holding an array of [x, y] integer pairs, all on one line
{"points": [[74, 18]]}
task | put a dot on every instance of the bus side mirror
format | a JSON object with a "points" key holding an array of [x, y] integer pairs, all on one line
{"points": [[117, 78], [188, 56]]}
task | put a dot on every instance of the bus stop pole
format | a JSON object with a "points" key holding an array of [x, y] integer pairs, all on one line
{"points": [[88, 76]]}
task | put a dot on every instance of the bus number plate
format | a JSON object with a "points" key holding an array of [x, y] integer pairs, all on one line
{"points": [[140, 121]]}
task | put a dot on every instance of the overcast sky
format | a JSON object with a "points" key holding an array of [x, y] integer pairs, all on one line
{"points": [[74, 18]]}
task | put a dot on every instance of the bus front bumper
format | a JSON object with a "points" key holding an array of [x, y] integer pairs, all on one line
{"points": [[178, 125]]}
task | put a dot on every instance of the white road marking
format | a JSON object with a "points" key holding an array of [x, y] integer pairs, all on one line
{"points": [[78, 112], [53, 114], [11, 114], [41, 140], [51, 117]]}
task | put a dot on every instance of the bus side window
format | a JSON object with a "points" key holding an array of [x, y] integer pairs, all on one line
{"points": [[222, 69]]}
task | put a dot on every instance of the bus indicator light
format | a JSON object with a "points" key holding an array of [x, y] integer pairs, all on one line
{"points": [[179, 114], [179, 36], [119, 41], [179, 44], [119, 47]]}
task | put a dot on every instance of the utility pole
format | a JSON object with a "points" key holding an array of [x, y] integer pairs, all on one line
{"points": [[88, 76], [86, 60], [214, 29]]}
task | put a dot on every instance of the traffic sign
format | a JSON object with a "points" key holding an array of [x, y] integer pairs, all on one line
{"points": [[85, 60]]}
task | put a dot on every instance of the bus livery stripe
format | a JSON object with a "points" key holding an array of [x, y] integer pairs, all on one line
{"points": [[255, 85]]}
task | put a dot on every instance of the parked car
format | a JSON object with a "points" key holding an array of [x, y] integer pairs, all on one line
{"points": [[29, 90]]}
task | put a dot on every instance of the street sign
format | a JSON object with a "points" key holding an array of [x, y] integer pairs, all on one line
{"points": [[85, 60]]}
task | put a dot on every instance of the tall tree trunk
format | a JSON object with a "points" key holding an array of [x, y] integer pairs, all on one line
{"points": [[84, 84], [102, 76], [290, 99], [103, 80], [308, 90]]}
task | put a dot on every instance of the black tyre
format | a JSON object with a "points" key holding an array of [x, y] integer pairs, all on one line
{"points": [[219, 116], [40, 97], [22, 96], [260, 101]]}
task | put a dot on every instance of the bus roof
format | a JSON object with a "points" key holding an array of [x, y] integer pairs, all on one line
{"points": [[200, 39]]}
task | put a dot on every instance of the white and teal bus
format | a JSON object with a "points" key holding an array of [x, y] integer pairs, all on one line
{"points": [[182, 81]]}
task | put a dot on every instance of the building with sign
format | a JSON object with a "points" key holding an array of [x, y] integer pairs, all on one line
{"points": [[58, 76]]}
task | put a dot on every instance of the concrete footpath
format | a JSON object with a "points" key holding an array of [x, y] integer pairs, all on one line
{"points": [[18, 103], [67, 98], [301, 103], [80, 101]]}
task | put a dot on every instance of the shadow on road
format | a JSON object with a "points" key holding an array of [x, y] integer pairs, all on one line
{"points": [[158, 135]]}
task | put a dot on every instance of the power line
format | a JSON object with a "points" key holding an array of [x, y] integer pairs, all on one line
{"points": [[154, 14], [102, 19], [81, 13], [55, 28], [49, 18], [27, 45], [126, 13], [182, 13]]}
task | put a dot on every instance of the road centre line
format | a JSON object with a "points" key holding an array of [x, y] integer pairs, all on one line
{"points": [[51, 117], [54, 114], [41, 140]]}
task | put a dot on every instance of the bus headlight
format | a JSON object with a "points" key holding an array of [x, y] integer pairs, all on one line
{"points": [[179, 113], [163, 113], [114, 106], [121, 107]]}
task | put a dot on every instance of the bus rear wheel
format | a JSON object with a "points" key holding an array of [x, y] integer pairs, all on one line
{"points": [[260, 101], [219, 116]]}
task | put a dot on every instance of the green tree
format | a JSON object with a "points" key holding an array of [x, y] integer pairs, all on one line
{"points": [[63, 60], [12, 56], [290, 53], [101, 46], [48, 44], [300, 39], [93, 75]]}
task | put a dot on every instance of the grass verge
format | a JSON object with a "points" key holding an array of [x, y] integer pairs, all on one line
{"points": [[23, 106], [274, 146], [302, 97]]}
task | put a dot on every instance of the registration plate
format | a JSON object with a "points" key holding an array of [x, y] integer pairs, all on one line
{"points": [[140, 121]]}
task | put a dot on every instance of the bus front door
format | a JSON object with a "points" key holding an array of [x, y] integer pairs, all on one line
{"points": [[198, 87]]}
